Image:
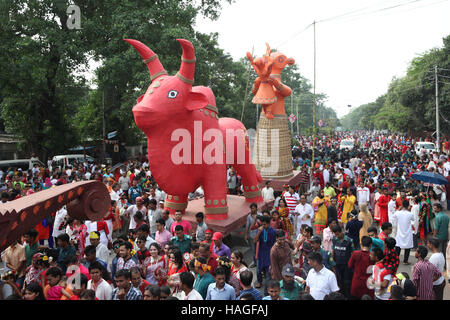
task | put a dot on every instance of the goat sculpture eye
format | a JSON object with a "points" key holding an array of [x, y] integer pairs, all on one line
{"points": [[172, 94]]}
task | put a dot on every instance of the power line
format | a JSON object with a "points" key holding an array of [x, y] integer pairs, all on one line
{"points": [[421, 72], [440, 75], [294, 35], [344, 14], [444, 82], [377, 10], [443, 69], [355, 17], [398, 89]]}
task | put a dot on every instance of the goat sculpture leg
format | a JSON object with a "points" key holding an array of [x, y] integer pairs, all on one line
{"points": [[176, 203], [215, 189], [250, 180]]}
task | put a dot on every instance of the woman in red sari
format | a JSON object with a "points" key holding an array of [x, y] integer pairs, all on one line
{"points": [[383, 204], [283, 211], [424, 219], [176, 266]]}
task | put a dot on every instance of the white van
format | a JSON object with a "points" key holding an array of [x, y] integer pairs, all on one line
{"points": [[24, 164], [347, 144], [63, 161], [424, 147]]}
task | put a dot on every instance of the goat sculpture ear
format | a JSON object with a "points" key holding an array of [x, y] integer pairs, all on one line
{"points": [[196, 100]]}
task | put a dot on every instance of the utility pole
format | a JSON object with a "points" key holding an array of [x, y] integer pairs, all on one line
{"points": [[292, 112], [438, 143], [246, 87], [257, 113], [103, 120], [296, 114], [314, 100]]}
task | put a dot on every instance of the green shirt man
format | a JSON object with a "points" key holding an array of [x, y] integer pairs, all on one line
{"points": [[184, 244], [293, 293], [30, 251], [201, 283], [441, 222]]}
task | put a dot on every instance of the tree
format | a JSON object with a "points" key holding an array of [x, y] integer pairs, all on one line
{"points": [[41, 57]]}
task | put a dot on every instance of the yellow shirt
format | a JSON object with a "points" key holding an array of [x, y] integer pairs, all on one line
{"points": [[321, 215], [349, 205]]}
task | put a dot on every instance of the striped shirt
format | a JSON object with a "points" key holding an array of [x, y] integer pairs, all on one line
{"points": [[133, 294], [304, 178], [423, 274], [291, 201]]}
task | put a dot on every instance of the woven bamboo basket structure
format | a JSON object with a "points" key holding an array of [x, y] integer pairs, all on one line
{"points": [[272, 149]]}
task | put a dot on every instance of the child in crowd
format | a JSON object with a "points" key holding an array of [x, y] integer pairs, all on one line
{"points": [[274, 290], [33, 272], [57, 286], [276, 222], [143, 252]]}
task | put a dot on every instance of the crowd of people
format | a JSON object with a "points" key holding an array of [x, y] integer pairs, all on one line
{"points": [[338, 234]]}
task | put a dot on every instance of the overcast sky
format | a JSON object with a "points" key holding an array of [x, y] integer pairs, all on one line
{"points": [[357, 54]]}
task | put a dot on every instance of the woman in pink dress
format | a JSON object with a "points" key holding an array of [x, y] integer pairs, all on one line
{"points": [[152, 264], [377, 213], [77, 232], [328, 235]]}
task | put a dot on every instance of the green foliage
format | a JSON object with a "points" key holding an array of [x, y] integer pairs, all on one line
{"points": [[38, 84], [45, 103], [46, 100]]}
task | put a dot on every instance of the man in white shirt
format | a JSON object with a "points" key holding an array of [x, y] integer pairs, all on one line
{"points": [[404, 237], [114, 192], [162, 195], [437, 258], [320, 281], [415, 209], [305, 213], [124, 182], [187, 285], [326, 175], [35, 170], [362, 194], [347, 171], [153, 214], [131, 211], [431, 165], [101, 251], [268, 192], [153, 195], [447, 168], [103, 290], [58, 226]]}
